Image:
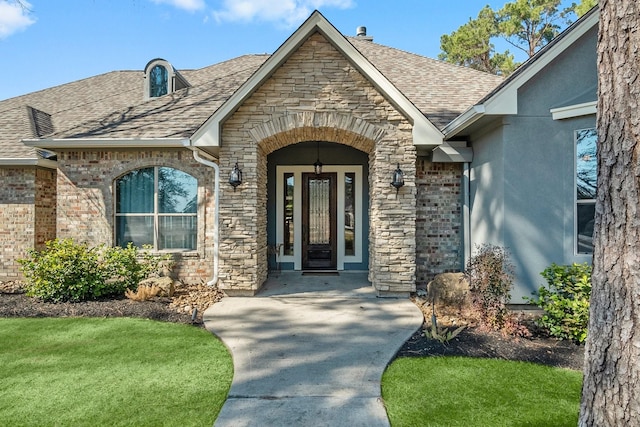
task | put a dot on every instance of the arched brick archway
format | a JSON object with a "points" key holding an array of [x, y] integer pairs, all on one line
{"points": [[317, 126]]}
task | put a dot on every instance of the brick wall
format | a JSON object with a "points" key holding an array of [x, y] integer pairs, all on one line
{"points": [[317, 95], [439, 219], [85, 207], [45, 207], [17, 218]]}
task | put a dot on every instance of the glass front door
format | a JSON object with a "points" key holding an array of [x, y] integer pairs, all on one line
{"points": [[319, 221]]}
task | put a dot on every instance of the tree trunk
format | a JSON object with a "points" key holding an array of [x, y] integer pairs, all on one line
{"points": [[611, 389]]}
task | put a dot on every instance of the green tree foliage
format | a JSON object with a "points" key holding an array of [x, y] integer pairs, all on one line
{"points": [[584, 6], [528, 25], [470, 46]]}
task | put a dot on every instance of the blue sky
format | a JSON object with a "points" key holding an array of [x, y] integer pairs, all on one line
{"points": [[55, 42]]}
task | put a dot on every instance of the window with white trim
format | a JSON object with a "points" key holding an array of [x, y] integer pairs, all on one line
{"points": [[157, 206], [586, 184]]}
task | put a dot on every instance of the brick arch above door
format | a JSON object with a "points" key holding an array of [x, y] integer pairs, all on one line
{"points": [[335, 127]]}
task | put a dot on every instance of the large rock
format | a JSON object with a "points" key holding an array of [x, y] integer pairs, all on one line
{"points": [[448, 289], [166, 285]]}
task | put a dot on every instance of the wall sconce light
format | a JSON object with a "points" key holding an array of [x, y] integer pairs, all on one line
{"points": [[235, 178], [398, 179], [317, 166]]}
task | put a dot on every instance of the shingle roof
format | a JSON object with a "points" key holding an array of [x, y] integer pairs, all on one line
{"points": [[111, 105], [440, 90], [178, 114], [66, 104]]}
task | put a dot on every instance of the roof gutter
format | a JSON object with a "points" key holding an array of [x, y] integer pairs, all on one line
{"points": [[69, 143], [216, 209]]}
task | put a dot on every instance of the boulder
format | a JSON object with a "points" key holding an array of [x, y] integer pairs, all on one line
{"points": [[166, 285], [449, 289]]}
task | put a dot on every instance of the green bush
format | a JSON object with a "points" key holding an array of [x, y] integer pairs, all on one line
{"points": [[68, 271], [490, 274], [565, 301]]}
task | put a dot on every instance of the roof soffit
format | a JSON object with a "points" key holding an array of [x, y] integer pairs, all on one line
{"points": [[424, 132]]}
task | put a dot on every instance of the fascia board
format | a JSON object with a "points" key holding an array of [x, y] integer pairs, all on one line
{"points": [[578, 110], [464, 120], [423, 130], [71, 143], [447, 153], [45, 163]]}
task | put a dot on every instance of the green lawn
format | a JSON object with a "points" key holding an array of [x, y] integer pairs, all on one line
{"points": [[116, 372], [455, 391]]}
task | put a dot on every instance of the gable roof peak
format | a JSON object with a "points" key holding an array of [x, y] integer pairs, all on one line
{"points": [[424, 132]]}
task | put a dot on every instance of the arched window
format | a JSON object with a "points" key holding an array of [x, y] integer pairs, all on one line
{"points": [[158, 81], [157, 206]]}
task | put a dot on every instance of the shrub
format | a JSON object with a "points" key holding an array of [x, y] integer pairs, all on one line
{"points": [[490, 276], [124, 268], [63, 271], [565, 301], [68, 271]]}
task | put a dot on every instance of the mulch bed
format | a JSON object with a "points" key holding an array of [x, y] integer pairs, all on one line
{"points": [[471, 342], [474, 343]]}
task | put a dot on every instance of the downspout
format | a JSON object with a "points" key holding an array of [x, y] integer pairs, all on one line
{"points": [[216, 211], [466, 216]]}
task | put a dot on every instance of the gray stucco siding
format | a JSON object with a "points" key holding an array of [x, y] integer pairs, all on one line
{"points": [[522, 195], [539, 197], [571, 78], [523, 171], [486, 189]]}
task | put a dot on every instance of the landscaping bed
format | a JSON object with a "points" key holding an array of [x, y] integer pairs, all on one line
{"points": [[179, 308], [477, 342], [471, 342]]}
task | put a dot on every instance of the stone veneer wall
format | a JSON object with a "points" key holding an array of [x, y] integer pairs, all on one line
{"points": [[86, 207], [17, 212], [439, 219], [317, 95]]}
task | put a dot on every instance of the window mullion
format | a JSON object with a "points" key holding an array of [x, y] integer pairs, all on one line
{"points": [[156, 221]]}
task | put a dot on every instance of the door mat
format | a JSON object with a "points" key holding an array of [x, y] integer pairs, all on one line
{"points": [[320, 273]]}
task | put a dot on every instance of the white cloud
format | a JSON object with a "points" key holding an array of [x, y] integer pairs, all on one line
{"points": [[288, 12], [188, 5], [14, 17]]}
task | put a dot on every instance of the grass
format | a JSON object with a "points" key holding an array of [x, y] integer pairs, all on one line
{"points": [[117, 372], [457, 391]]}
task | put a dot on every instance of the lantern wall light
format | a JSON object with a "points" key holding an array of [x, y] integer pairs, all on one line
{"points": [[235, 178], [317, 166], [398, 179]]}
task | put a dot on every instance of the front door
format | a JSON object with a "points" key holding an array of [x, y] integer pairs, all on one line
{"points": [[319, 249]]}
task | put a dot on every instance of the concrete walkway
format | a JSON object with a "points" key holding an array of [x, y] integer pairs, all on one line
{"points": [[310, 351]]}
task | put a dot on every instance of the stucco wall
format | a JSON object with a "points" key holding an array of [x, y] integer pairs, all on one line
{"points": [[85, 200], [523, 172]]}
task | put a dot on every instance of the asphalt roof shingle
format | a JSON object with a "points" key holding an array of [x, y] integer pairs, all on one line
{"points": [[112, 105]]}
